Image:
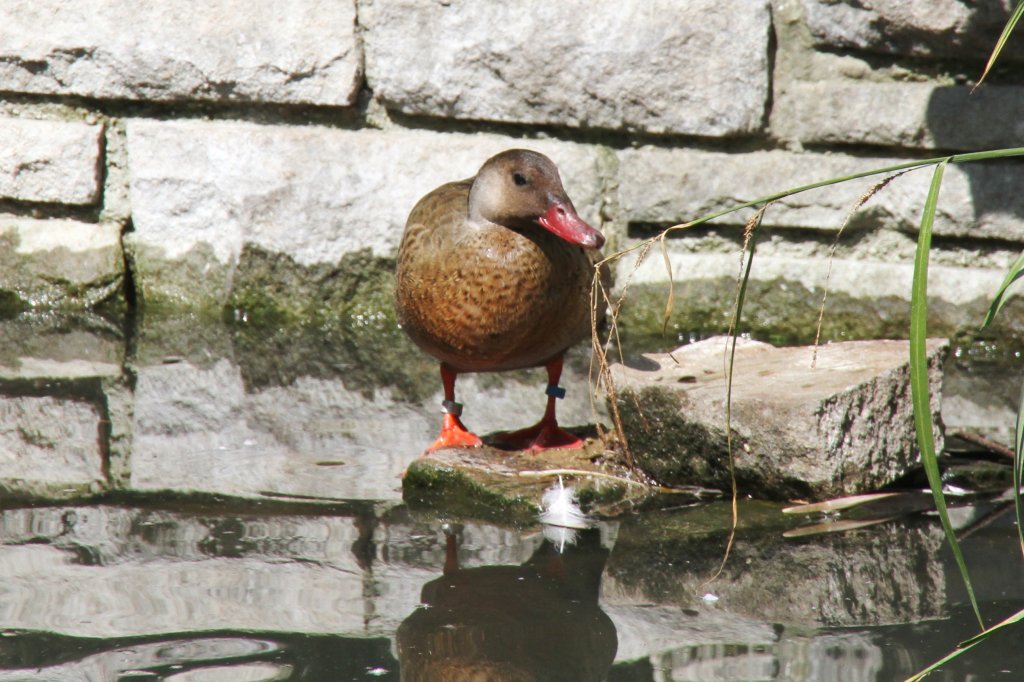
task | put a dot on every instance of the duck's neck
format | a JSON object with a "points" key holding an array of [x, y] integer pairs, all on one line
{"points": [[477, 199]]}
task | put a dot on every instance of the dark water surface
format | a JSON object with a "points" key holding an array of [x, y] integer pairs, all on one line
{"points": [[244, 591], [193, 502]]}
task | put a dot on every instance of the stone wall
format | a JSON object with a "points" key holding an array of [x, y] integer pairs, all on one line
{"points": [[201, 155]]}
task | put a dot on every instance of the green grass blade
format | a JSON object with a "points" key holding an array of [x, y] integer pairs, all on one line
{"points": [[919, 389], [1015, 272], [749, 246], [670, 302], [967, 645], [969, 157], [1011, 23], [1018, 467], [734, 327]]}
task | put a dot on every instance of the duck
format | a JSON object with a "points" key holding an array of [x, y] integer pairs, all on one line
{"points": [[494, 273], [539, 620]]}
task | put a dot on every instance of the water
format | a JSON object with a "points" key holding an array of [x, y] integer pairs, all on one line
{"points": [[183, 502], [249, 591]]}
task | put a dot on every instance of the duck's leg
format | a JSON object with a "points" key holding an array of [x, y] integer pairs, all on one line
{"points": [[546, 433], [453, 433]]}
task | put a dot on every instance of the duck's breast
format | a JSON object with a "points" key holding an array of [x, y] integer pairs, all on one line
{"points": [[485, 297]]}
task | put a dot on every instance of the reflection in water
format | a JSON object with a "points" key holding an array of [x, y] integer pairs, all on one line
{"points": [[41, 657], [219, 593], [536, 621]]}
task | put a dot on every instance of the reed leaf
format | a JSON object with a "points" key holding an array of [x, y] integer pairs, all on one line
{"points": [[1018, 467], [749, 247], [967, 645], [920, 393], [670, 302], [1011, 23], [1015, 272]]}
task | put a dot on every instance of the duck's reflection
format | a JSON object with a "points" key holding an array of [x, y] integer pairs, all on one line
{"points": [[536, 621]]}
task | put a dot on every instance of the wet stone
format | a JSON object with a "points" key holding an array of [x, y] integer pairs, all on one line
{"points": [[59, 263], [56, 424], [49, 446], [152, 571], [851, 580], [507, 486], [841, 427]]}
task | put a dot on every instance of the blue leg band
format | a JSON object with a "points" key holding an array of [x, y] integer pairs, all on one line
{"points": [[555, 391]]}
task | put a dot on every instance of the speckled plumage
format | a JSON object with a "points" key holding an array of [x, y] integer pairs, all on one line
{"points": [[483, 296]]}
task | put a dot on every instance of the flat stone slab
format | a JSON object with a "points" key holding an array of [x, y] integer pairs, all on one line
{"points": [[507, 486], [841, 427]]}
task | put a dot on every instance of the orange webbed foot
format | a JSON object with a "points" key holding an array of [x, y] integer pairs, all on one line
{"points": [[454, 435], [544, 435]]}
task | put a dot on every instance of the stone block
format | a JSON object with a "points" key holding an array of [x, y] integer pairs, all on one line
{"points": [[666, 187], [699, 68], [980, 396], [197, 429], [49, 161], [56, 422], [159, 573], [201, 192], [966, 292], [60, 263], [958, 29], [202, 429], [889, 575], [224, 50], [841, 427], [56, 346], [49, 445], [912, 115]]}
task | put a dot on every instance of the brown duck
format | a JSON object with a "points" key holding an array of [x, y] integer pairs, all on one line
{"points": [[493, 274]]}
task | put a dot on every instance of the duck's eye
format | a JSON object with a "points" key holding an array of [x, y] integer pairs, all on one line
{"points": [[519, 179]]}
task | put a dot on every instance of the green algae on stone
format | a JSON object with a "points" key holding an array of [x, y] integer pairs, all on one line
{"points": [[652, 420], [196, 280], [38, 268], [19, 490], [11, 304], [508, 486], [457, 493], [358, 290], [327, 319]]}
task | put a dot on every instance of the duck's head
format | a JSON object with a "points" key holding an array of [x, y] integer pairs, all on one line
{"points": [[519, 188]]}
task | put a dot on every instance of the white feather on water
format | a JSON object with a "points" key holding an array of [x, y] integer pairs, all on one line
{"points": [[560, 536], [560, 508]]}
